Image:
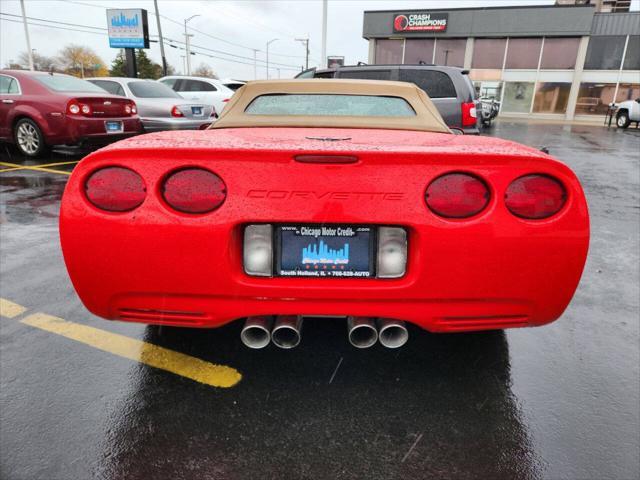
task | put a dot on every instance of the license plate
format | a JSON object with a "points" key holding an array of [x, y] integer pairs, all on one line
{"points": [[113, 127], [325, 251], [196, 110]]}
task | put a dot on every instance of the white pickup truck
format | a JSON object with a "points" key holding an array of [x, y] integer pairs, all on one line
{"points": [[628, 111]]}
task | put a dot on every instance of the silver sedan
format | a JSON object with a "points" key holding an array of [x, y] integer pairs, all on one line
{"points": [[159, 107]]}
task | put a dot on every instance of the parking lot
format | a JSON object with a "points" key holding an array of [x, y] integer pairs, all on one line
{"points": [[87, 398]]}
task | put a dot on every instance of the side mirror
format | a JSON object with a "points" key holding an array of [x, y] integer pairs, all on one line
{"points": [[544, 150]]}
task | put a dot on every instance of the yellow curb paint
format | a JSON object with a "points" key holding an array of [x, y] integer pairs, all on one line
{"points": [[9, 309], [147, 353], [39, 168]]}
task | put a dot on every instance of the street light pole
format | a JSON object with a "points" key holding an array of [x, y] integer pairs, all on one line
{"points": [[26, 34], [164, 59], [306, 49], [269, 43], [255, 70], [186, 41], [323, 58]]}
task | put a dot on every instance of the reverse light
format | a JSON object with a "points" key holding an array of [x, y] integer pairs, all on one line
{"points": [[258, 250], [392, 252], [194, 190], [73, 108], [535, 197], [115, 189], [175, 112], [85, 109], [469, 114], [457, 195]]}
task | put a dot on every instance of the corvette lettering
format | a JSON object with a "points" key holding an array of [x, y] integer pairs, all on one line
{"points": [[329, 195]]}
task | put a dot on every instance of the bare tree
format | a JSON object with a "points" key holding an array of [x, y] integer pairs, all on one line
{"points": [[40, 62], [205, 70]]}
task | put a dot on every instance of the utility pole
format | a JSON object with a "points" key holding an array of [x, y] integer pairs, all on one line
{"points": [[184, 64], [26, 34], [164, 59], [269, 43], [186, 41], [323, 58], [306, 49], [255, 69]]}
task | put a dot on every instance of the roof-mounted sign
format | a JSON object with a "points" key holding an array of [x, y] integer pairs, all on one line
{"points": [[420, 22], [128, 28]]}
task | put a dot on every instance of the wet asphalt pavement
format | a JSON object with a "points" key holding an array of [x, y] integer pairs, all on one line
{"points": [[560, 401]]}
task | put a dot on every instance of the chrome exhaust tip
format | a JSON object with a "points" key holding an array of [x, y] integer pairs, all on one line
{"points": [[256, 332], [362, 332], [392, 333], [287, 331]]}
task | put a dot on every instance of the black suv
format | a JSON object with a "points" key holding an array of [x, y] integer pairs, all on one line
{"points": [[449, 88]]}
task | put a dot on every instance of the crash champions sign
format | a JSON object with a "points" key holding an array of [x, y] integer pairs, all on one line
{"points": [[420, 22]]}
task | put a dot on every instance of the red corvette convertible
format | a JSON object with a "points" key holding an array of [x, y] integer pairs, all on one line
{"points": [[330, 198]]}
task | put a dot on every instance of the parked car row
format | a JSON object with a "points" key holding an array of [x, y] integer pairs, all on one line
{"points": [[42, 109]]}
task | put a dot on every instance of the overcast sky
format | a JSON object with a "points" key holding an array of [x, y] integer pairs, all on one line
{"points": [[228, 27]]}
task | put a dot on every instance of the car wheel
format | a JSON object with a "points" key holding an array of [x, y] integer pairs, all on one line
{"points": [[28, 138], [622, 119]]}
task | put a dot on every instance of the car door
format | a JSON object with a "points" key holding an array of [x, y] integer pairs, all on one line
{"points": [[10, 95]]}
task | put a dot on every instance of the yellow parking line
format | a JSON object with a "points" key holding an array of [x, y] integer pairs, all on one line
{"points": [[41, 168], [9, 309], [147, 353]]}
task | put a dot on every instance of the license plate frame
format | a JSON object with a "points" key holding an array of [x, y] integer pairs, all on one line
{"points": [[197, 111], [290, 240], [113, 126]]}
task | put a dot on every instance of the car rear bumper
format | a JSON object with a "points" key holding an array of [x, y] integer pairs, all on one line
{"points": [[159, 124], [79, 130], [165, 267]]}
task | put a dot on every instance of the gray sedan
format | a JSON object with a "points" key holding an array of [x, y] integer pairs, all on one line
{"points": [[159, 107]]}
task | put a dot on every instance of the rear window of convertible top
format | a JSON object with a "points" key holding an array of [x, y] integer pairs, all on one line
{"points": [[329, 105]]}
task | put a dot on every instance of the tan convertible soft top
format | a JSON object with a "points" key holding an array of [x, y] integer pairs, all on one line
{"points": [[426, 118]]}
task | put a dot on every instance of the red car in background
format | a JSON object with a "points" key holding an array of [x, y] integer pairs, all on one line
{"points": [[41, 109]]}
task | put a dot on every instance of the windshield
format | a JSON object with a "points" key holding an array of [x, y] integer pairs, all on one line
{"points": [[330, 105], [142, 89], [67, 83]]}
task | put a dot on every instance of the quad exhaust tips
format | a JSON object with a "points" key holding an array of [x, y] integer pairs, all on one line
{"points": [[256, 332], [362, 332], [392, 333], [287, 331]]}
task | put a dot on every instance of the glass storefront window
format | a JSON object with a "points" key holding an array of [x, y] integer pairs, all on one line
{"points": [[488, 52], [604, 53], [418, 50], [450, 52], [559, 53], [523, 53], [388, 51], [551, 97], [488, 90], [628, 91], [517, 97], [594, 98], [632, 57]]}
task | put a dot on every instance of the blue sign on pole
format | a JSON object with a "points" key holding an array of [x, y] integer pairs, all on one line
{"points": [[128, 28]]}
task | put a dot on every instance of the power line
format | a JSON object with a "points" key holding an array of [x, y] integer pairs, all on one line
{"points": [[282, 66], [180, 24]]}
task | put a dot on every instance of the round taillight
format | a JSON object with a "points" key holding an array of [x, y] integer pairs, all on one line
{"points": [[134, 109], [457, 195], [86, 109], [74, 108], [115, 189], [194, 190], [535, 197]]}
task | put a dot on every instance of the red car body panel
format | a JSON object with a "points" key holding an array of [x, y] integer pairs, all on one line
{"points": [[48, 109], [157, 265]]}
